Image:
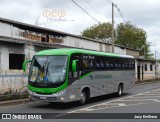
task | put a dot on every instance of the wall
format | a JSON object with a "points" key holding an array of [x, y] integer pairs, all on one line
{"points": [[29, 51], [145, 75], [80, 43], [119, 50], [133, 53], [5, 29], [11, 31], [136, 64], [149, 74], [86, 44], [4, 56], [13, 81], [157, 70]]}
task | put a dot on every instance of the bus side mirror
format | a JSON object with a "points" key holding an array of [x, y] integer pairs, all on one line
{"points": [[74, 66], [24, 64]]}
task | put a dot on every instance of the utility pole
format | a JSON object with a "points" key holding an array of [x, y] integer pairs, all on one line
{"points": [[155, 65], [112, 27], [144, 51], [155, 54]]}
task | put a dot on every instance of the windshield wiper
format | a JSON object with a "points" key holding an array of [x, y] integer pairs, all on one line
{"points": [[47, 68]]}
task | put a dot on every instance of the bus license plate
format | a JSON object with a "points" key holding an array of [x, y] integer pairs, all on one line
{"points": [[43, 98]]}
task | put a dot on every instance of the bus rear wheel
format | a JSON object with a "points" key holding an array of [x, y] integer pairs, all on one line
{"points": [[120, 90]]}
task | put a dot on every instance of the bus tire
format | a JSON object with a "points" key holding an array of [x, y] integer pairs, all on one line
{"points": [[83, 98], [120, 90]]}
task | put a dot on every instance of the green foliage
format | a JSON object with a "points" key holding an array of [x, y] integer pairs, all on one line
{"points": [[158, 60], [131, 36], [127, 35], [101, 31]]}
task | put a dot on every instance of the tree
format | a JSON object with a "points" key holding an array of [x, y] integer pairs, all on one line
{"points": [[102, 31], [131, 36], [145, 51], [127, 35]]}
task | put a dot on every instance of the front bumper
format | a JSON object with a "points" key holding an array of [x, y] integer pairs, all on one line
{"points": [[55, 97]]}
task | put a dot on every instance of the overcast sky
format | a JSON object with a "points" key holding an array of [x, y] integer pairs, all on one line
{"points": [[142, 13]]}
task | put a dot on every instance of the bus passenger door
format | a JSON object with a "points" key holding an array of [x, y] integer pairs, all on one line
{"points": [[73, 77]]}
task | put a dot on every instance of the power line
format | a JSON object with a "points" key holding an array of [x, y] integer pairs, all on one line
{"points": [[110, 1], [120, 12], [93, 7], [85, 11]]}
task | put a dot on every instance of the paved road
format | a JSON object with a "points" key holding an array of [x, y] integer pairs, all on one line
{"points": [[141, 99], [149, 99]]}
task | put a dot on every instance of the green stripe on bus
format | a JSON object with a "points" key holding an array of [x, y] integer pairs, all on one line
{"points": [[48, 90], [85, 75], [69, 51]]}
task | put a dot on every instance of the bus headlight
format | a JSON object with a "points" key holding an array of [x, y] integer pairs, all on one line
{"points": [[30, 92]]}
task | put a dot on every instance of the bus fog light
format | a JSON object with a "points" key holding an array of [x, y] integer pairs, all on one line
{"points": [[61, 98]]}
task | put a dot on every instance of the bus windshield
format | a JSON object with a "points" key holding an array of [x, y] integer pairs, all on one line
{"points": [[48, 69]]}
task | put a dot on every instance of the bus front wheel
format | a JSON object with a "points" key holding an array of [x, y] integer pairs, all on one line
{"points": [[83, 98]]}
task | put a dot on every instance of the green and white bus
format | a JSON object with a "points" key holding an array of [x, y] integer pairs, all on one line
{"points": [[64, 75]]}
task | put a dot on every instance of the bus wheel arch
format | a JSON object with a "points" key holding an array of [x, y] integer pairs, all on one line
{"points": [[85, 95], [120, 89]]}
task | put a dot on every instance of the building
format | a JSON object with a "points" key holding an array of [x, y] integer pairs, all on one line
{"points": [[145, 69]]}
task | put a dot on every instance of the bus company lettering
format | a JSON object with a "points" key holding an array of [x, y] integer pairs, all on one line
{"points": [[100, 76], [103, 76], [88, 57]]}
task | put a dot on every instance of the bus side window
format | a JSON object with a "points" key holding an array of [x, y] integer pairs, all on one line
{"points": [[97, 65], [126, 63], [99, 62], [91, 64], [102, 65], [85, 64], [123, 64], [131, 64], [120, 62], [103, 60], [109, 63], [88, 62], [115, 63]]}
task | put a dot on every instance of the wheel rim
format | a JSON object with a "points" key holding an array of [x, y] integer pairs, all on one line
{"points": [[120, 91], [83, 98]]}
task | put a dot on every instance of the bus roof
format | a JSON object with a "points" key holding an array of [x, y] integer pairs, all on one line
{"points": [[69, 51]]}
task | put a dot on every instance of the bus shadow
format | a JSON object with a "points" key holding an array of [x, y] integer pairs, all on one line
{"points": [[72, 105], [106, 98]]}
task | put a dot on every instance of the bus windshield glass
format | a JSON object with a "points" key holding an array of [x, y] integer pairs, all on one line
{"points": [[48, 69]]}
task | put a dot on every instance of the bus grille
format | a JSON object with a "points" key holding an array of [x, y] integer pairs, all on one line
{"points": [[46, 98], [43, 93]]}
